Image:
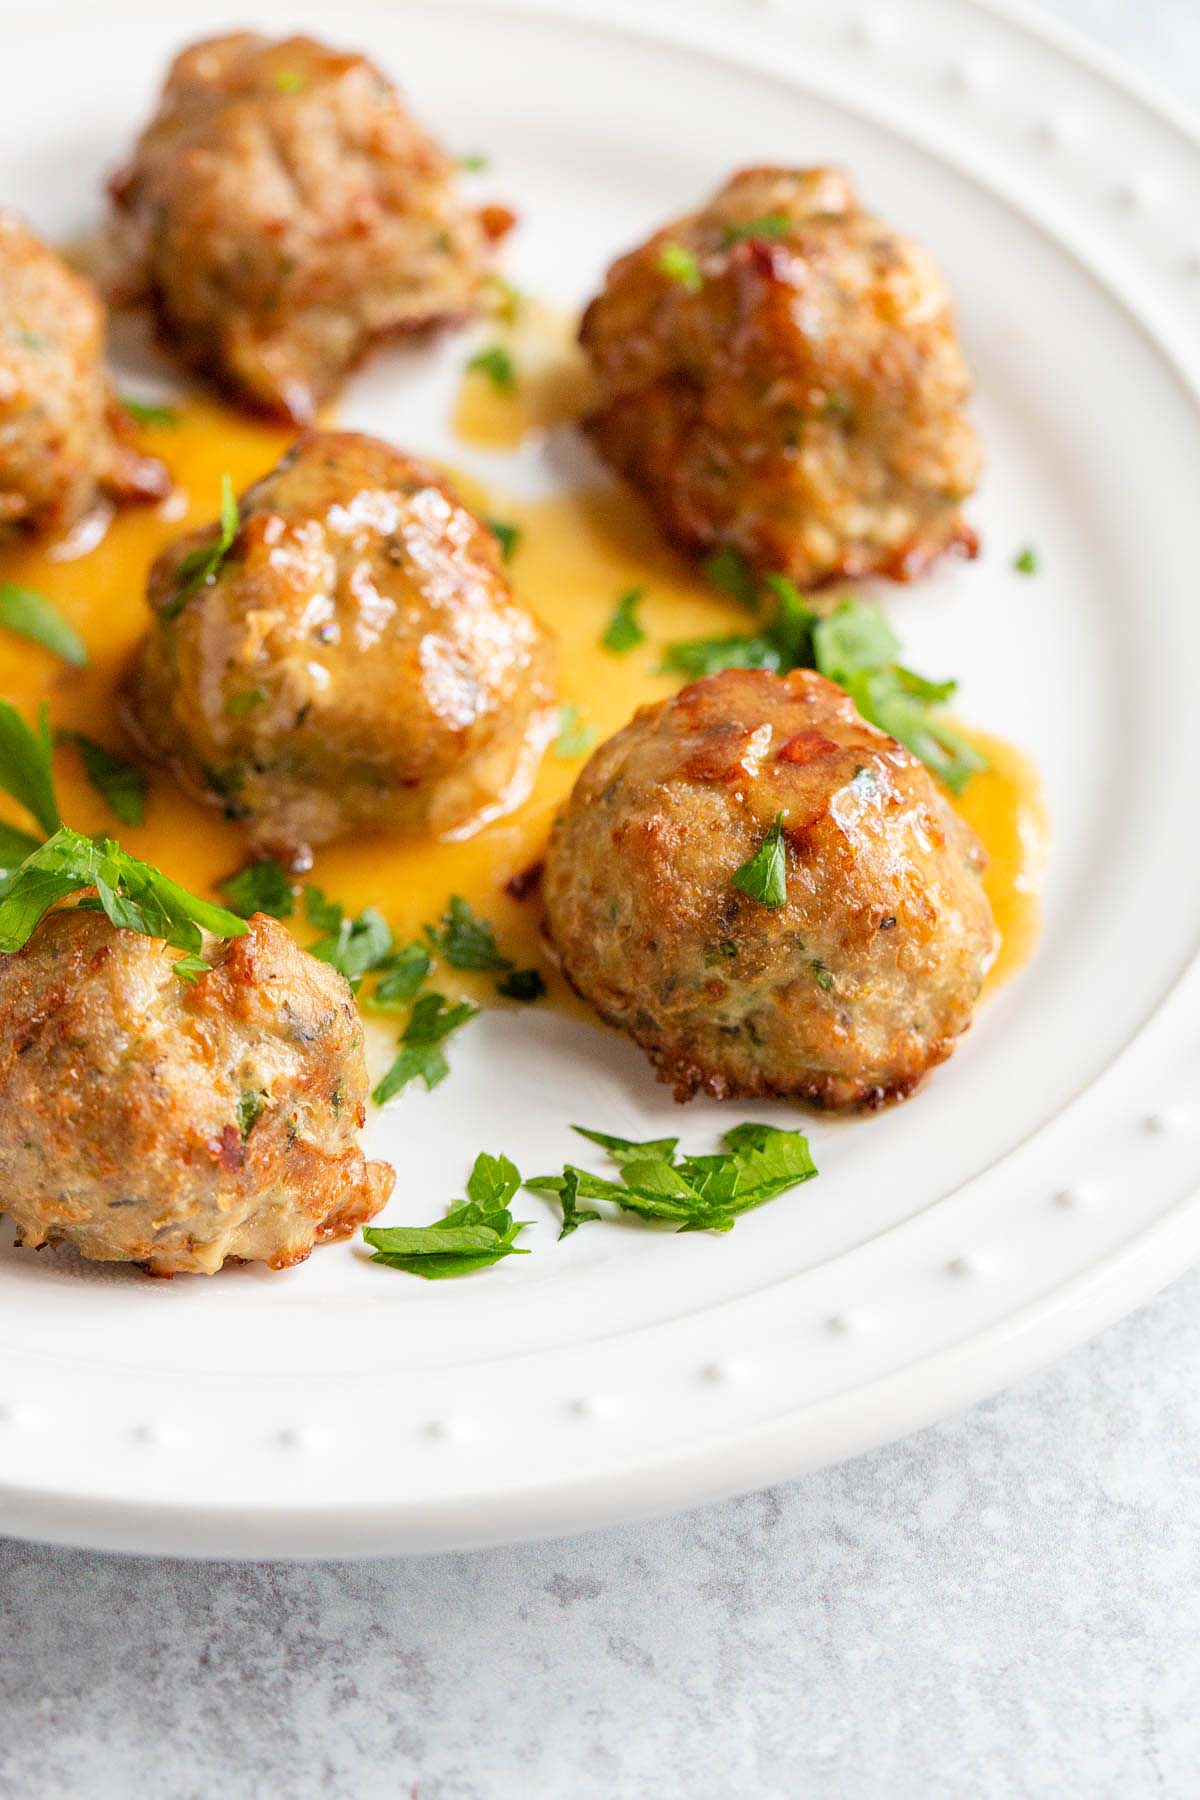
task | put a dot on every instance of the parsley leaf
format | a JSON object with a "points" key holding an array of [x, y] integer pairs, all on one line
{"points": [[354, 946], [25, 765], [497, 365], [238, 705], [249, 1111], [190, 968], [116, 781], [574, 737], [680, 264], [476, 1233], [260, 887], [767, 225], [146, 412], [403, 974], [785, 642], [432, 1020], [30, 615], [289, 81], [1026, 561], [134, 895], [522, 984], [624, 632], [695, 1193], [507, 536], [322, 914], [200, 566], [465, 940], [728, 570], [764, 877], [474, 162]]}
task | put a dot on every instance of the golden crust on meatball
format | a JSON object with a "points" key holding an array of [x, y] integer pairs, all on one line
{"points": [[779, 373], [147, 1120], [65, 443], [282, 211], [357, 660], [849, 992]]}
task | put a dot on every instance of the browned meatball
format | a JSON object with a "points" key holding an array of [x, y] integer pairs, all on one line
{"points": [[357, 659], [64, 441], [848, 992], [282, 210], [147, 1120], [779, 374]]}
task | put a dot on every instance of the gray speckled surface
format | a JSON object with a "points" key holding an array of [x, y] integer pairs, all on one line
{"points": [[1006, 1605]]}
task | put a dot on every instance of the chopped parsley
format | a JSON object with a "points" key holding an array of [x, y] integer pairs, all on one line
{"points": [[764, 877], [190, 968], [475, 1233], [131, 893], [784, 642], [404, 973], [119, 783], [289, 81], [421, 1056], [1026, 561], [30, 615], [25, 766], [679, 264], [728, 570], [474, 162], [238, 705], [574, 737], [354, 947], [200, 567], [261, 887], [694, 1193], [249, 1111], [767, 225], [507, 536], [147, 412], [497, 365], [507, 300], [522, 984], [624, 631], [464, 940]]}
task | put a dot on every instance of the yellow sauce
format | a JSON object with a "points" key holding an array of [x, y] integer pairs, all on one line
{"points": [[577, 553]]}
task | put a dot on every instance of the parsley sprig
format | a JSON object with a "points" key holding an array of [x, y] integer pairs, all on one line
{"points": [[421, 1056], [475, 1234], [854, 646], [764, 876], [200, 567], [30, 615], [624, 631], [693, 1193], [465, 941], [121, 784]]}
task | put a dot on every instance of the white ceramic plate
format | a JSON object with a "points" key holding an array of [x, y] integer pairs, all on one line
{"points": [[1043, 1183]]}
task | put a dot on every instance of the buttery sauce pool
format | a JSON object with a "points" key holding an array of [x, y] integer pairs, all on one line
{"points": [[576, 554]]}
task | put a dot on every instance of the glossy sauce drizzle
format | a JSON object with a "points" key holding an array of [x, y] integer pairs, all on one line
{"points": [[577, 553]]}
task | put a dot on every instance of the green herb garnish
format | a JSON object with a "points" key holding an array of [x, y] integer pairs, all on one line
{"points": [[421, 1056], [404, 972], [464, 940], [764, 877], [131, 893], [680, 264], [474, 162], [190, 968], [767, 225], [694, 1193], [574, 737], [264, 887], [147, 412], [522, 984], [728, 570], [119, 783], [354, 947], [498, 366], [785, 642], [30, 615], [289, 81], [507, 536], [25, 772], [1026, 561], [249, 1111], [474, 1234], [238, 705], [200, 567], [623, 632]]}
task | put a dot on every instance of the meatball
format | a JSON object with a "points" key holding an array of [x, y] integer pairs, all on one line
{"points": [[778, 374], [64, 441], [357, 658], [847, 992], [147, 1120], [282, 211]]}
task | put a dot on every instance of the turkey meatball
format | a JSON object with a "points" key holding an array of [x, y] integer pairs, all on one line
{"points": [[356, 658], [282, 211], [147, 1120], [65, 444], [845, 994], [779, 374]]}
